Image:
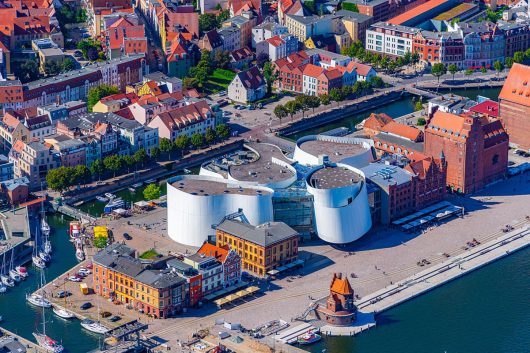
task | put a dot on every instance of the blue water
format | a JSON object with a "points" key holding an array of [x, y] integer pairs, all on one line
{"points": [[487, 311]]}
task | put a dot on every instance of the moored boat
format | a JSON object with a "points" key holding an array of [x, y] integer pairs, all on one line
{"points": [[3, 288], [48, 247], [114, 204], [45, 227], [47, 343], [75, 229], [13, 274], [37, 261], [38, 300], [22, 271], [45, 257], [150, 181], [131, 189], [101, 199], [8, 281], [94, 326], [80, 254], [137, 185], [110, 196], [63, 313], [308, 338]]}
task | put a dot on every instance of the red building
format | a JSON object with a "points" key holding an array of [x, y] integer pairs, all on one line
{"points": [[439, 47], [290, 71], [474, 146], [339, 309], [514, 106], [228, 257], [124, 37]]}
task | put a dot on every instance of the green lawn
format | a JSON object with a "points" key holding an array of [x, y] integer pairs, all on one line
{"points": [[149, 254], [219, 81]]}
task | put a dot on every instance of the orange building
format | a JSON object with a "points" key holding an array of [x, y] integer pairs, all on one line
{"points": [[262, 248]]}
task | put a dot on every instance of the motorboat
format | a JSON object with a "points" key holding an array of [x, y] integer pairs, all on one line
{"points": [[80, 254], [187, 171], [37, 261], [45, 257], [308, 338], [63, 313], [101, 199], [131, 189], [47, 343], [75, 229], [137, 185], [94, 326], [8, 281], [114, 204], [13, 274], [22, 271], [38, 300], [110, 196]]}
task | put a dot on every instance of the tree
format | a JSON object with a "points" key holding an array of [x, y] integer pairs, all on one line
{"points": [[210, 136], [203, 68], [197, 140], [52, 68], [508, 62], [438, 70], [97, 168], [453, 69], [483, 70], [207, 22], [222, 131], [421, 121], [166, 146], [140, 156], [498, 66], [280, 112], [324, 99], [303, 102], [468, 72], [261, 59], [58, 179], [221, 59], [270, 75], [418, 105], [129, 162], [155, 152], [28, 71], [68, 65], [113, 163], [189, 83], [152, 192], [82, 174], [292, 107], [310, 5], [182, 142], [376, 82], [518, 57], [96, 93], [100, 242], [313, 102], [336, 95]]}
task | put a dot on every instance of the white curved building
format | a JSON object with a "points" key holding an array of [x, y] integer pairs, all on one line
{"points": [[342, 213], [356, 152], [195, 203]]}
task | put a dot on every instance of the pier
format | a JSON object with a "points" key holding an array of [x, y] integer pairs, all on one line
{"points": [[30, 346]]}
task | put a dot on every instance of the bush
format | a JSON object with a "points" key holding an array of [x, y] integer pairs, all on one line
{"points": [[421, 122]]}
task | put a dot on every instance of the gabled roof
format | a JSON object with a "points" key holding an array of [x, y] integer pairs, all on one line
{"points": [[313, 70], [488, 107], [219, 252], [181, 117], [341, 285], [377, 120], [251, 78], [241, 54], [405, 131], [516, 88], [362, 69], [416, 11], [275, 41]]}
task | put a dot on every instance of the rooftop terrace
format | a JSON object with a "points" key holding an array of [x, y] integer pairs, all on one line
{"points": [[336, 151]]}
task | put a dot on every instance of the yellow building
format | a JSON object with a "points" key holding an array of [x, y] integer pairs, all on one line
{"points": [[262, 248]]}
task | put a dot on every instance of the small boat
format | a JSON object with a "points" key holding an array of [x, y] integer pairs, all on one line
{"points": [[22, 271], [38, 300], [37, 261], [110, 196], [45, 257], [8, 281], [137, 185], [3, 288], [48, 247], [94, 326], [63, 313], [47, 343], [150, 181], [308, 338], [101, 199], [45, 227], [80, 254], [15, 276], [114, 204], [187, 171], [75, 229], [131, 189]]}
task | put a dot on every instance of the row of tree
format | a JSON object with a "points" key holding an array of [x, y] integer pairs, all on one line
{"points": [[305, 102], [439, 69], [383, 62]]}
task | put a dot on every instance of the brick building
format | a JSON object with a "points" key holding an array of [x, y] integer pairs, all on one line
{"points": [[514, 106], [339, 309], [474, 146], [228, 257]]}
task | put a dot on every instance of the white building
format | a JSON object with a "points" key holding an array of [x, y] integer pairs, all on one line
{"points": [[386, 38], [278, 47], [247, 86], [231, 37], [196, 203], [342, 212], [265, 31]]}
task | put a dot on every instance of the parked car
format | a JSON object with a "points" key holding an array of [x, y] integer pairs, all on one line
{"points": [[251, 107], [127, 236], [105, 314], [81, 275], [86, 271], [222, 93], [85, 306], [74, 279], [63, 294], [89, 265], [115, 318], [227, 113]]}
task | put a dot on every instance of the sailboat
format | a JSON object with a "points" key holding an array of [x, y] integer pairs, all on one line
{"points": [[94, 326], [37, 261], [39, 299], [79, 254], [22, 271], [12, 272], [62, 312], [44, 341], [3, 288], [4, 277], [45, 229]]}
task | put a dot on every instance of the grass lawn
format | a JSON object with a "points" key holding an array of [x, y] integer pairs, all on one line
{"points": [[149, 254]]}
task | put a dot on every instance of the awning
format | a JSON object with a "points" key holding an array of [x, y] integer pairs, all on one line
{"points": [[273, 272]]}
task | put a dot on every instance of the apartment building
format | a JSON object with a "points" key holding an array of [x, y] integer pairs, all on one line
{"points": [[33, 160], [390, 39], [211, 270]]}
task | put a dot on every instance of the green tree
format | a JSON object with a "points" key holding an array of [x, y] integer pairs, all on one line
{"points": [[310, 5], [27, 71], [189, 83], [324, 99], [270, 75], [222, 131], [68, 65], [155, 153], [141, 156], [303, 102], [113, 163], [498, 66], [82, 174], [292, 107], [90, 48], [223, 16], [221, 59], [509, 62], [313, 102], [58, 179], [421, 121], [350, 6], [181, 143], [202, 71], [152, 192], [100, 242], [376, 82], [483, 70], [97, 168], [52, 68], [418, 105], [166, 146], [518, 57], [336, 95], [96, 93], [468, 72], [129, 162], [210, 136], [453, 69], [438, 70], [280, 112], [207, 22], [197, 140]]}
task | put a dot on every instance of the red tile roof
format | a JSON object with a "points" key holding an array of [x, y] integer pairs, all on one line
{"points": [[362, 69], [516, 88], [487, 107], [313, 70], [218, 252], [275, 41], [377, 120], [402, 130]]}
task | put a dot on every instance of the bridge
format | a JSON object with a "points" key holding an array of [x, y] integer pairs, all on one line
{"points": [[74, 213]]}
